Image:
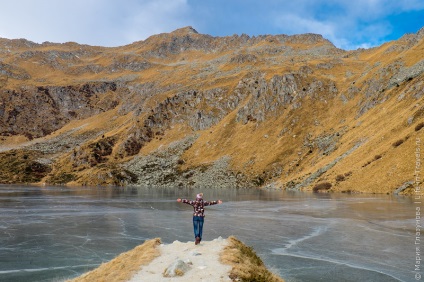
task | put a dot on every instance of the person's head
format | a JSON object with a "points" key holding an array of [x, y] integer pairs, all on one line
{"points": [[199, 196]]}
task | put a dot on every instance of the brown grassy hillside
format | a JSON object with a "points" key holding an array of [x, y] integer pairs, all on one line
{"points": [[187, 109]]}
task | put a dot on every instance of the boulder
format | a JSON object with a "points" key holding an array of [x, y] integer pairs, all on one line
{"points": [[177, 268]]}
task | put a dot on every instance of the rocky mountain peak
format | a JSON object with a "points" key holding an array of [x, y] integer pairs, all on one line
{"points": [[420, 33], [185, 31]]}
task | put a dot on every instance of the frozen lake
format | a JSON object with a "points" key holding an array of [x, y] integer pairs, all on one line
{"points": [[54, 233]]}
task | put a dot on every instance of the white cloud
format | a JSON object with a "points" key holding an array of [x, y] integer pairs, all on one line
{"points": [[156, 16], [95, 22], [296, 24], [348, 24], [44, 20]]}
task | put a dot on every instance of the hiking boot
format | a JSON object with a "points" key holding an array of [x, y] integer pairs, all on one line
{"points": [[197, 241]]}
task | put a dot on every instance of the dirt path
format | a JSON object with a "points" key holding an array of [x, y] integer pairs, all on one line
{"points": [[202, 259]]}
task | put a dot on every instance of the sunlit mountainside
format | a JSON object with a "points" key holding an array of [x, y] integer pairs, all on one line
{"points": [[188, 109]]}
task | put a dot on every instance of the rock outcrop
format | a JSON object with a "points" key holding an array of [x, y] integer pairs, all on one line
{"points": [[39, 111], [177, 268]]}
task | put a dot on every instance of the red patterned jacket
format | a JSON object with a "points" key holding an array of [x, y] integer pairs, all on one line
{"points": [[198, 206]]}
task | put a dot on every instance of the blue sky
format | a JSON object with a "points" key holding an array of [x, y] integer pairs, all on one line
{"points": [[349, 24]]}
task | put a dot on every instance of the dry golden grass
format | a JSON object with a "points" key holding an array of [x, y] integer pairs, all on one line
{"points": [[123, 267], [246, 265], [251, 152]]}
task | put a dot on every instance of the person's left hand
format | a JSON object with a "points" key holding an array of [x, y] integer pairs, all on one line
{"points": [[179, 200], [219, 202]]}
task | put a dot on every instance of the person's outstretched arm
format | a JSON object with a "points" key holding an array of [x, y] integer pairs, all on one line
{"points": [[210, 203], [185, 201]]}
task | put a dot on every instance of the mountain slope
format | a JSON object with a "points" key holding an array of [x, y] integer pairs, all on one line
{"points": [[187, 109]]}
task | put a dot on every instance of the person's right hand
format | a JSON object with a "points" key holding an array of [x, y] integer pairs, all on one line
{"points": [[179, 200]]}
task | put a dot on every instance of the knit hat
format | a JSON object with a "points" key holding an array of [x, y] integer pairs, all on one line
{"points": [[199, 196]]}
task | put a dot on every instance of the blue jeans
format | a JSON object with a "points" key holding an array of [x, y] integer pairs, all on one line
{"points": [[198, 226]]}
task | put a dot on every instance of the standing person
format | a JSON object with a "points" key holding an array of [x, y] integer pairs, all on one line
{"points": [[198, 214]]}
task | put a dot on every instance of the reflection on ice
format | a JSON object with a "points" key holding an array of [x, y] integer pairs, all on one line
{"points": [[54, 233]]}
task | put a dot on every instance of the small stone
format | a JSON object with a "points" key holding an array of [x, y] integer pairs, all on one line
{"points": [[177, 268], [188, 261]]}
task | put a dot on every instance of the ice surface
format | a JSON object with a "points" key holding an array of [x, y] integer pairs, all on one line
{"points": [[53, 233]]}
